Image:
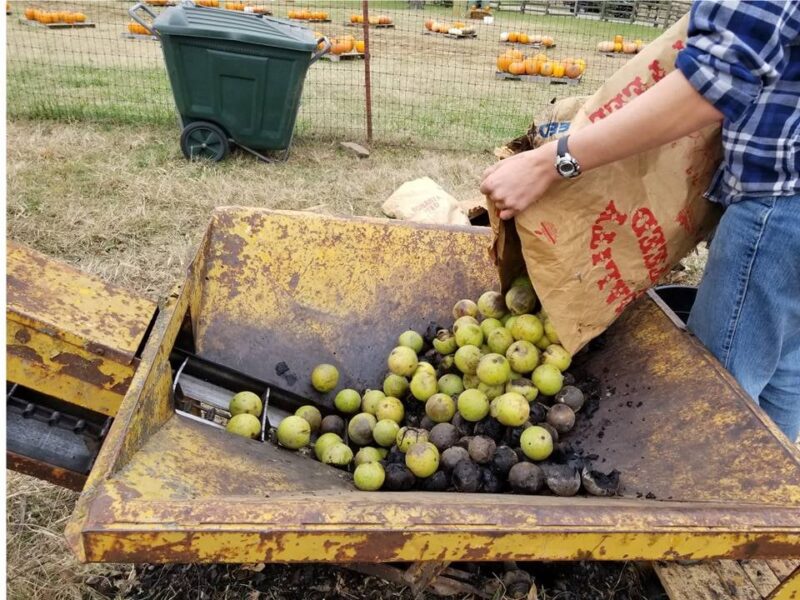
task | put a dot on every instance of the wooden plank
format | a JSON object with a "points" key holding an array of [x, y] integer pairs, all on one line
{"points": [[31, 23], [374, 25], [733, 577], [339, 57], [783, 568], [761, 576], [702, 582], [537, 78]]}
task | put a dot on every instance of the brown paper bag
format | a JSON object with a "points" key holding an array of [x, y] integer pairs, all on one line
{"points": [[424, 201], [596, 243]]}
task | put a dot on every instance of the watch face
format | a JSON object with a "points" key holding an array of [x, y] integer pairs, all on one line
{"points": [[566, 168]]}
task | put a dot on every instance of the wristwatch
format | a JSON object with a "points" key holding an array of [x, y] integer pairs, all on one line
{"points": [[566, 165]]}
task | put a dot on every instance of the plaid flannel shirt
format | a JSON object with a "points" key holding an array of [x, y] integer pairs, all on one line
{"points": [[744, 58]]}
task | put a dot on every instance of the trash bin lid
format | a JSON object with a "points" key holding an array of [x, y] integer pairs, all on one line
{"points": [[214, 23]]}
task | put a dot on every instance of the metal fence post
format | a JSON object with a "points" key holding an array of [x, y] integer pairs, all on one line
{"points": [[367, 82]]}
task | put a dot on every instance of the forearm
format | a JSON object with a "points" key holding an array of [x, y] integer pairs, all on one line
{"points": [[664, 113]]}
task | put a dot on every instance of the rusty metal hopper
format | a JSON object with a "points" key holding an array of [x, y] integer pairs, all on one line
{"points": [[270, 287]]}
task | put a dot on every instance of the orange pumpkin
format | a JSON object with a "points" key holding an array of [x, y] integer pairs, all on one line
{"points": [[45, 17], [546, 69], [429, 24], [459, 25], [503, 62], [573, 71], [292, 14], [540, 57], [532, 66], [513, 37], [234, 6], [69, 18], [30, 13], [618, 39], [384, 20], [517, 68], [360, 47], [547, 41], [340, 46], [354, 18], [524, 39], [79, 17], [617, 47], [558, 70], [516, 54]]}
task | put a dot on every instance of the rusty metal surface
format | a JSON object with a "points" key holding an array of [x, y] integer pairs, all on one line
{"points": [[677, 425], [70, 335], [48, 364], [165, 490], [40, 470], [789, 589], [59, 300], [312, 289]]}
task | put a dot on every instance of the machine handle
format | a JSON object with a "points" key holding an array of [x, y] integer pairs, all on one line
{"points": [[142, 6], [319, 54]]}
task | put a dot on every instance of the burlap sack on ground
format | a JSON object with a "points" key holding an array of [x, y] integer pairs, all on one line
{"points": [[596, 243], [424, 201]]}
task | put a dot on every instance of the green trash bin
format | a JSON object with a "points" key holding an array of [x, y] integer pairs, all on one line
{"points": [[236, 77]]}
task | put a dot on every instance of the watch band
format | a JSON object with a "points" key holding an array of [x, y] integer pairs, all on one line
{"points": [[562, 149]]}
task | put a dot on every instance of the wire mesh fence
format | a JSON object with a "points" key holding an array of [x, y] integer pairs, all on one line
{"points": [[433, 66]]}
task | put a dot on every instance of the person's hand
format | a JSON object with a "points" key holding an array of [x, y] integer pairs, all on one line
{"points": [[513, 184]]}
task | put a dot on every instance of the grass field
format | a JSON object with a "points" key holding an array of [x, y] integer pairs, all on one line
{"points": [[427, 89]]}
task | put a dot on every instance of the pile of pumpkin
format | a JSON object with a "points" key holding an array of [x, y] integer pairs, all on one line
{"points": [[308, 15], [620, 45], [457, 28], [514, 62], [379, 20], [516, 37], [137, 29], [46, 17], [344, 44]]}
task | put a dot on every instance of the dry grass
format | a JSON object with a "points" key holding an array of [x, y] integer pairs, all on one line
{"points": [[39, 563], [123, 203]]}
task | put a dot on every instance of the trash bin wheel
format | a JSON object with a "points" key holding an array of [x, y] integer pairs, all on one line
{"points": [[202, 139]]}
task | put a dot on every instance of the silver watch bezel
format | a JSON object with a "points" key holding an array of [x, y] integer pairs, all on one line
{"points": [[567, 159]]}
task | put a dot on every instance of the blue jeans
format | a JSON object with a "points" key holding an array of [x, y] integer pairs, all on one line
{"points": [[747, 310]]}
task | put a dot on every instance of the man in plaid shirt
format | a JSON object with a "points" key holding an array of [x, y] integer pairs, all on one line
{"points": [[740, 67]]}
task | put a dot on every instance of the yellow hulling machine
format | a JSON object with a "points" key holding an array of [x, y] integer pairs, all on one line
{"points": [[115, 395]]}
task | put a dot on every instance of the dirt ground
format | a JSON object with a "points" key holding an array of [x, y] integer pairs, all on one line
{"points": [[122, 203]]}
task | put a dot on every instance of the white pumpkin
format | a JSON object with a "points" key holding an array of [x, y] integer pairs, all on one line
{"points": [[455, 31], [504, 36]]}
